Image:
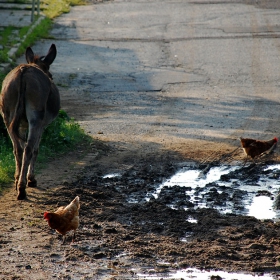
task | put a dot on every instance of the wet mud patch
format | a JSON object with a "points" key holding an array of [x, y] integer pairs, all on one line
{"points": [[126, 225], [227, 188]]}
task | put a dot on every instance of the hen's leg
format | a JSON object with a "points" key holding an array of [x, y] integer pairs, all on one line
{"points": [[74, 236], [63, 239], [245, 161]]}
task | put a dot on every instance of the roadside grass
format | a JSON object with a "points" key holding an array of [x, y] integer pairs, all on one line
{"points": [[54, 8], [9, 35], [9, 38], [7, 166], [60, 137], [63, 134]]}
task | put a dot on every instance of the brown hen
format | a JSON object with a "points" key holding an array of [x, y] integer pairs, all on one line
{"points": [[65, 219], [255, 148]]}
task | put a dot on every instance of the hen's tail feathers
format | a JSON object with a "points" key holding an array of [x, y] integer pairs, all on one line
{"points": [[271, 149], [76, 201]]}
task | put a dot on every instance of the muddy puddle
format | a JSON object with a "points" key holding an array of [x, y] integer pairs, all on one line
{"points": [[251, 191]]}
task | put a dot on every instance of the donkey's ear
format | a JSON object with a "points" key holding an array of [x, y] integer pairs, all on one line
{"points": [[29, 55], [50, 57]]}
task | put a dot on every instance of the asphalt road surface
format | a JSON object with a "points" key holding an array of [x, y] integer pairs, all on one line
{"points": [[182, 75]]}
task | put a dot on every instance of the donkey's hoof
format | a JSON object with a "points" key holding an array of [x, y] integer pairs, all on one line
{"points": [[32, 184], [21, 195]]}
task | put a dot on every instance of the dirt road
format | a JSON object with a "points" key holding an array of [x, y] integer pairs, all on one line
{"points": [[158, 85]]}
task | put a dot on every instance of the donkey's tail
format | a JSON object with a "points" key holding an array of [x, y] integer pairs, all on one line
{"points": [[14, 125]]}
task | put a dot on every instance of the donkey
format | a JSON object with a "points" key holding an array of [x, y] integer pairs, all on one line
{"points": [[29, 101]]}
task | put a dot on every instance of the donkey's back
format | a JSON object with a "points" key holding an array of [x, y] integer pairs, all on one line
{"points": [[29, 102]]}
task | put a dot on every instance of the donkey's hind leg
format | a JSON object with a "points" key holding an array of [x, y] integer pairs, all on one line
{"points": [[31, 181], [34, 136], [18, 153], [18, 145]]}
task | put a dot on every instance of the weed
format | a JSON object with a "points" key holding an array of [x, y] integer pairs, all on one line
{"points": [[72, 76], [62, 135], [55, 8], [6, 161], [6, 36], [62, 85]]}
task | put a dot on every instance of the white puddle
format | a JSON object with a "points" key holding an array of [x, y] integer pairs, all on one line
{"points": [[259, 206], [206, 275], [192, 220], [112, 175], [192, 178], [262, 208], [271, 167]]}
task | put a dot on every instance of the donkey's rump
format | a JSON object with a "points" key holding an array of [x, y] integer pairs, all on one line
{"points": [[30, 84], [41, 97]]}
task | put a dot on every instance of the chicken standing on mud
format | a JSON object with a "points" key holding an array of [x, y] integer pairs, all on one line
{"points": [[65, 219], [255, 148]]}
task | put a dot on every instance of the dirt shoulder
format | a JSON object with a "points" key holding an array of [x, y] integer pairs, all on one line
{"points": [[118, 239]]}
